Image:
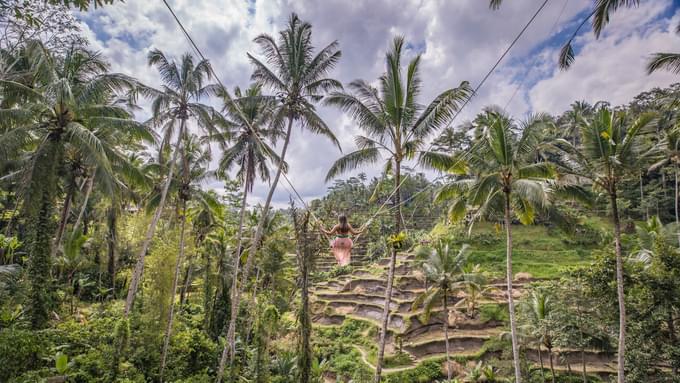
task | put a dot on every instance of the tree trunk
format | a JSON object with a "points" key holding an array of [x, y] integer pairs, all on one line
{"points": [[237, 265], [111, 238], [583, 362], [40, 226], [446, 335], [540, 361], [552, 367], [139, 266], [255, 243], [670, 322], [642, 199], [675, 200], [65, 212], [171, 314], [305, 320], [90, 185], [390, 275], [511, 301], [184, 291], [619, 287]]}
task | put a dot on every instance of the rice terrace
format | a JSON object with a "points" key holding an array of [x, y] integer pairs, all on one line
{"points": [[307, 191]]}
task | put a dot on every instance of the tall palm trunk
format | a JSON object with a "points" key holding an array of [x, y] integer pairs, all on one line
{"points": [[65, 212], [304, 318], [88, 192], [619, 286], [511, 301], [139, 266], [111, 238], [446, 335], [390, 274], [255, 243], [237, 256], [676, 202], [171, 314]]}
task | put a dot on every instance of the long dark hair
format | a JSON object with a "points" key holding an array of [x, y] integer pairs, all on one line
{"points": [[344, 225]]}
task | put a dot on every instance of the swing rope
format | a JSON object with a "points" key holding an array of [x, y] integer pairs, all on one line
{"points": [[397, 187]]}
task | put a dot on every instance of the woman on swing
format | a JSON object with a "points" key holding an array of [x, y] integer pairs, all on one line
{"points": [[341, 246]]}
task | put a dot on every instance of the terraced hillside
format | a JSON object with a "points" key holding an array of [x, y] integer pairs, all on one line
{"points": [[353, 298]]}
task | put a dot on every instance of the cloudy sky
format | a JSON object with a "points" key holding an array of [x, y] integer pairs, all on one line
{"points": [[458, 39]]}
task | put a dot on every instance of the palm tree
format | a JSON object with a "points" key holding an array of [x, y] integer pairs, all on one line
{"points": [[396, 125], [65, 108], [191, 173], [171, 108], [297, 77], [475, 289], [500, 174], [538, 307], [611, 150], [251, 114], [444, 271]]}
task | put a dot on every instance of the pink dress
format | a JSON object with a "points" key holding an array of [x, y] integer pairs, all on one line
{"points": [[341, 247]]}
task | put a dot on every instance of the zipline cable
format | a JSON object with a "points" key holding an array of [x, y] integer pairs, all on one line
{"points": [[198, 51], [519, 85], [480, 85], [396, 188]]}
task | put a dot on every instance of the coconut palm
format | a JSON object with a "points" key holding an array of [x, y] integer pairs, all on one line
{"points": [[500, 174], [297, 77], [66, 108], [173, 105], [187, 186], [251, 115], [397, 126], [444, 270], [611, 150]]}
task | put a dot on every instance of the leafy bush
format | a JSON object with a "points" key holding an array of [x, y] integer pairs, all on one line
{"points": [[424, 373], [20, 351], [493, 312]]}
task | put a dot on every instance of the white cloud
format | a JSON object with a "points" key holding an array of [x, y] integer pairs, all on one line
{"points": [[613, 67], [460, 40]]}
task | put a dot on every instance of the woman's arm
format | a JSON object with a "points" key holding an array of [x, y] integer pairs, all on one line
{"points": [[329, 232], [355, 231]]}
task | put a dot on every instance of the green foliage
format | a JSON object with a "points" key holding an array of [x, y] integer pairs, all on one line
{"points": [[424, 373], [493, 312], [61, 362]]}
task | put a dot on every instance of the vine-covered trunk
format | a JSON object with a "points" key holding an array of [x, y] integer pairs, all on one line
{"points": [[139, 266], [255, 243], [390, 275], [619, 288], [676, 202], [511, 301], [178, 264], [39, 212]]}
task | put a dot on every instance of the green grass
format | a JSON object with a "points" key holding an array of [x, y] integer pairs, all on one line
{"points": [[538, 250]]}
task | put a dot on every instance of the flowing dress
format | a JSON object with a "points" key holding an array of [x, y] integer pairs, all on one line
{"points": [[341, 247]]}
